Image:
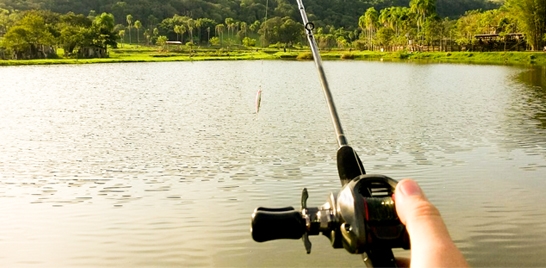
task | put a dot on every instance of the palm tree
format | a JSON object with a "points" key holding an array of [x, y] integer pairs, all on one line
{"points": [[370, 23], [229, 24], [208, 34], [121, 34], [244, 27], [177, 31], [423, 9], [182, 32], [255, 26], [155, 32], [191, 24], [138, 25], [148, 36], [129, 24], [220, 31], [198, 25]]}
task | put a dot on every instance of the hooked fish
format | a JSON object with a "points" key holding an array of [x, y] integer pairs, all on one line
{"points": [[258, 99]]}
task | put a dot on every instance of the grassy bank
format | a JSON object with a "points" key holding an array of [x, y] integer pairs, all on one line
{"points": [[152, 54]]}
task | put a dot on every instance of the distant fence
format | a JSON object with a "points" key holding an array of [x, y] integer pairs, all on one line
{"points": [[480, 43]]}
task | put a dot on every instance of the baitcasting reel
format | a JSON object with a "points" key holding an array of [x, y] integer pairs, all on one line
{"points": [[361, 218]]}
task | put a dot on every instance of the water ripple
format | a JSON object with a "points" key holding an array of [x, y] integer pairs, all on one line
{"points": [[131, 165]]}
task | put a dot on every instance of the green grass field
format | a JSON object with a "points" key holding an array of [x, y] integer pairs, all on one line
{"points": [[132, 53]]}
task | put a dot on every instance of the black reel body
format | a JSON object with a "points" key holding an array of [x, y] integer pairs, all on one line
{"points": [[367, 215], [361, 218]]}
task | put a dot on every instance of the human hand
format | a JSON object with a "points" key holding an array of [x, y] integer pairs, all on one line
{"points": [[431, 245]]}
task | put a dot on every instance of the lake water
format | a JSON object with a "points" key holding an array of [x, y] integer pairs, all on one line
{"points": [[162, 164]]}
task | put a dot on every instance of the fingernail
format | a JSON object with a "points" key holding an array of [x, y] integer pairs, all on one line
{"points": [[409, 188]]}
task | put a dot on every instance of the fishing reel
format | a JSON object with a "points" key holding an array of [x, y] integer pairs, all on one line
{"points": [[361, 218]]}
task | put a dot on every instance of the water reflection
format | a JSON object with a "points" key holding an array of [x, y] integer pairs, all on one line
{"points": [[526, 112], [161, 164], [535, 91]]}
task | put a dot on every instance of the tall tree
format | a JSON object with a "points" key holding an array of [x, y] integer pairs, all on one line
{"points": [[129, 19], [370, 21], [138, 25], [29, 37], [103, 34], [121, 34], [422, 9], [532, 16], [219, 29], [281, 30], [148, 36], [73, 29], [177, 31], [191, 25], [4, 21], [229, 24]]}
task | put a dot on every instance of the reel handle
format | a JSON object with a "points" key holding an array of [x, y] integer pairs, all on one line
{"points": [[277, 223]]}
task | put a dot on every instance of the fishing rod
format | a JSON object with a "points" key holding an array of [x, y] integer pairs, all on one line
{"points": [[341, 140], [361, 217]]}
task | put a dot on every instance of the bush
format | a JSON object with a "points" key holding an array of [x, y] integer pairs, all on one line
{"points": [[249, 42], [360, 45], [214, 41], [403, 55], [305, 56], [348, 56]]}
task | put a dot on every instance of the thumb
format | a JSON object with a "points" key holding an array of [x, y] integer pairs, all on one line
{"points": [[431, 245]]}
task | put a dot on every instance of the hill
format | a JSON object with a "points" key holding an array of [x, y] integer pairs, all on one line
{"points": [[339, 13]]}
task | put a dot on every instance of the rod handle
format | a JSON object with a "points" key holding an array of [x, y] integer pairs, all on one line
{"points": [[277, 223]]}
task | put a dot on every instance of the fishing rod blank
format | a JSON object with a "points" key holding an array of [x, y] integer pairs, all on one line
{"points": [[360, 218], [341, 139], [349, 165]]}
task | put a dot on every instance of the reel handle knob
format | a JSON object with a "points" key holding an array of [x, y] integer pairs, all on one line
{"points": [[277, 223]]}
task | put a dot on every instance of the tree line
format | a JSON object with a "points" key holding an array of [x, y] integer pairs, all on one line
{"points": [[338, 13], [415, 26], [519, 23], [36, 34]]}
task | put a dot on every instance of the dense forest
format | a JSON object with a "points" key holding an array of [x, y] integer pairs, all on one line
{"points": [[338, 13], [33, 29]]}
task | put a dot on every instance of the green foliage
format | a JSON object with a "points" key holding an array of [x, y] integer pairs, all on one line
{"points": [[249, 42], [360, 45], [532, 16], [384, 37], [305, 56], [29, 37], [347, 56], [37, 33], [362, 24], [102, 31], [73, 31], [214, 41], [281, 30], [341, 13], [162, 41]]}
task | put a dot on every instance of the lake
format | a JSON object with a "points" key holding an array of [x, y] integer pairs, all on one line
{"points": [[162, 164]]}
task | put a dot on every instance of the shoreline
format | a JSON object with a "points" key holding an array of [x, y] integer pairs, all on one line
{"points": [[146, 54]]}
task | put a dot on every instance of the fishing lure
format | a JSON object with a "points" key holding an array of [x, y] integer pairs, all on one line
{"points": [[258, 99]]}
